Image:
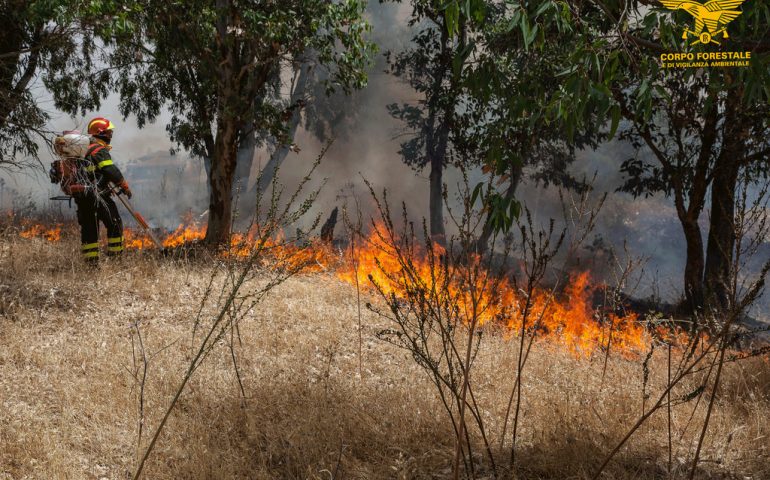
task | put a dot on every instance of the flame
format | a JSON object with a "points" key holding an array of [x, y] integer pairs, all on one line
{"points": [[135, 241], [567, 318], [571, 320], [52, 234], [184, 233], [286, 254], [313, 257]]}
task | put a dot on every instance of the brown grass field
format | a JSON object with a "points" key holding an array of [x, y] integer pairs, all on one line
{"points": [[69, 400]]}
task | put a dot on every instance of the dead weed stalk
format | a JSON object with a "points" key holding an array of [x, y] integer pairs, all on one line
{"points": [[246, 282], [439, 309]]}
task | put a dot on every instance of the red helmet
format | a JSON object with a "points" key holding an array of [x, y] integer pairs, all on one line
{"points": [[99, 125]]}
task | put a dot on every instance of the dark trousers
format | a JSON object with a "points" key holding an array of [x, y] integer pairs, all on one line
{"points": [[92, 209]]}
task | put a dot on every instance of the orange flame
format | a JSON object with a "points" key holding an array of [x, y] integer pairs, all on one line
{"points": [[136, 241], [52, 234], [567, 318], [313, 257], [184, 234]]}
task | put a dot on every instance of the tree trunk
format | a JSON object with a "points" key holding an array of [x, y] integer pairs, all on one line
{"points": [[721, 236], [486, 233], [232, 108], [327, 230], [437, 232], [436, 140], [436, 143], [282, 151], [221, 183], [207, 168], [435, 158], [693, 270], [436, 131], [245, 158], [236, 94]]}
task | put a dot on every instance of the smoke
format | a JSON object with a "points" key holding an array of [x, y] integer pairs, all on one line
{"points": [[365, 140], [645, 229], [642, 228]]}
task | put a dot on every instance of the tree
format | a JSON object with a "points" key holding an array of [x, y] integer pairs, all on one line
{"points": [[508, 79], [427, 67], [39, 39], [701, 126], [210, 63], [302, 74], [486, 73]]}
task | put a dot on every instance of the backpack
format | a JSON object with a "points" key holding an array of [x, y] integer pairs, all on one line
{"points": [[69, 171]]}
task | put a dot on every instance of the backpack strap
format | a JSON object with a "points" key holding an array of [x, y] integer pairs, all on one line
{"points": [[94, 148]]}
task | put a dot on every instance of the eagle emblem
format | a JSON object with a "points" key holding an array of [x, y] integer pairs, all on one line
{"points": [[711, 18]]}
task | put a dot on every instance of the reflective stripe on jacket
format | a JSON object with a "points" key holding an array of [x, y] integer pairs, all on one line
{"points": [[100, 166]]}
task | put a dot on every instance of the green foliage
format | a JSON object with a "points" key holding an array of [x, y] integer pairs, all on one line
{"points": [[497, 99], [575, 73], [511, 76], [694, 129], [615, 73], [47, 40], [172, 55], [501, 211], [625, 54]]}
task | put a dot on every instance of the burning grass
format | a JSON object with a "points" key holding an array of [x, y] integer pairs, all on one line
{"points": [[69, 393], [569, 319]]}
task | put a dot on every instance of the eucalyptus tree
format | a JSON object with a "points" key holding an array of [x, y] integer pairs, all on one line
{"points": [[698, 127], [209, 62], [485, 72], [694, 128], [427, 65], [42, 43], [509, 75]]}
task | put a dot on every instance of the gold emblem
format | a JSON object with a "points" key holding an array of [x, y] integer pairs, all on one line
{"points": [[713, 15]]}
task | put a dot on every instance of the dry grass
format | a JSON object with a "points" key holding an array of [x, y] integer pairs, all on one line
{"points": [[69, 401]]}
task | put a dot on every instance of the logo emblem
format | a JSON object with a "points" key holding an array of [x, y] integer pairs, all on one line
{"points": [[711, 18]]}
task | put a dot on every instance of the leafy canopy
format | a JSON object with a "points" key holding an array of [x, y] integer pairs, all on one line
{"points": [[170, 54]]}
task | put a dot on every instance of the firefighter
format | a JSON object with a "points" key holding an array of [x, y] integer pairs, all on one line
{"points": [[95, 204]]}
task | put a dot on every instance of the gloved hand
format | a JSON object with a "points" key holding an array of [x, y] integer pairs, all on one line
{"points": [[125, 189]]}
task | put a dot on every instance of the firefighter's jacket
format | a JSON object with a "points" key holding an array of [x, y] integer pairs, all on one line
{"points": [[99, 166]]}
